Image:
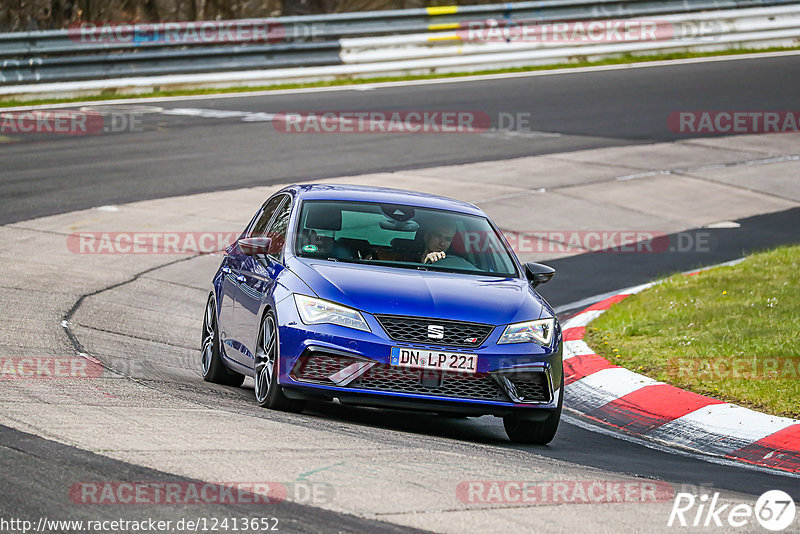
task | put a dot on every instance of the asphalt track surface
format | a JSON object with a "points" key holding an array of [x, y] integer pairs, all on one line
{"points": [[176, 155], [26, 460], [181, 155]]}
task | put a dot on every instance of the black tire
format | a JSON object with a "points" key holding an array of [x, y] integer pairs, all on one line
{"points": [[535, 432], [210, 359], [269, 394]]}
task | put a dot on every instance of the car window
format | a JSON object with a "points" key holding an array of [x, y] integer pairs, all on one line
{"points": [[402, 236], [259, 228], [277, 230]]}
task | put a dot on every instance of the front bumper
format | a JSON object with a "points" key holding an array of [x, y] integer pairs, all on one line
{"points": [[329, 361]]}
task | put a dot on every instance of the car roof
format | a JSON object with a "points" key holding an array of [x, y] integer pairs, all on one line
{"points": [[386, 195]]}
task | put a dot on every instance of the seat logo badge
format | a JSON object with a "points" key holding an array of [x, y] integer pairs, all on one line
{"points": [[435, 331]]}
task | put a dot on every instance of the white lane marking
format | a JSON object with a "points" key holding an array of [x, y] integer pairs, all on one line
{"points": [[246, 116], [638, 289], [113, 110], [618, 381], [387, 122], [582, 319], [723, 225], [722, 428], [587, 301], [434, 81], [726, 264], [576, 348], [604, 386], [507, 135]]}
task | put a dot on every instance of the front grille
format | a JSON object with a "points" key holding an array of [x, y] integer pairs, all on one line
{"points": [[382, 377], [531, 387], [415, 330]]}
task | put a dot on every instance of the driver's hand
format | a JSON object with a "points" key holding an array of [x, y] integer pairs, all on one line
{"points": [[433, 256]]}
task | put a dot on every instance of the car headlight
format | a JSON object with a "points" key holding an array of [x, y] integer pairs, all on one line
{"points": [[318, 311], [539, 331]]}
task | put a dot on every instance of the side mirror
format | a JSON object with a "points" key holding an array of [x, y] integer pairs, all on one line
{"points": [[538, 273], [255, 246]]}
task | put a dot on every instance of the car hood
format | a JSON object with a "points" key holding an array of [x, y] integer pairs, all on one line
{"points": [[396, 291]]}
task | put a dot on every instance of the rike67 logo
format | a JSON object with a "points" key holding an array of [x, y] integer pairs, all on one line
{"points": [[774, 510]]}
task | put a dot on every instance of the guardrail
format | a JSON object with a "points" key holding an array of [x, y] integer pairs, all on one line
{"points": [[707, 30], [337, 25], [438, 39]]}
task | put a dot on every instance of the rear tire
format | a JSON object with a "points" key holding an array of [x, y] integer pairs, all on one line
{"points": [[269, 394], [535, 432], [210, 358]]}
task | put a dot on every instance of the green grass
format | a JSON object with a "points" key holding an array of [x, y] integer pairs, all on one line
{"points": [[731, 333], [619, 60]]}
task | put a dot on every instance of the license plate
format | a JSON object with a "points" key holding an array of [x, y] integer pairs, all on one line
{"points": [[427, 359]]}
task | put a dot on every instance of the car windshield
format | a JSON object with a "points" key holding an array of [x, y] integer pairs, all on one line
{"points": [[401, 236]]}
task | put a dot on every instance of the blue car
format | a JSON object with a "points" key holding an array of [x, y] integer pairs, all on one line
{"points": [[387, 298]]}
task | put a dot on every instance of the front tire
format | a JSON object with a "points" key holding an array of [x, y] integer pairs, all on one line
{"points": [[210, 358], [535, 432], [269, 393]]}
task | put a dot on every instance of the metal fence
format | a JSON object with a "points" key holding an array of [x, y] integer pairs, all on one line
{"points": [[351, 44]]}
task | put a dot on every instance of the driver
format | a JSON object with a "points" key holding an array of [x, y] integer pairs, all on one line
{"points": [[436, 239]]}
